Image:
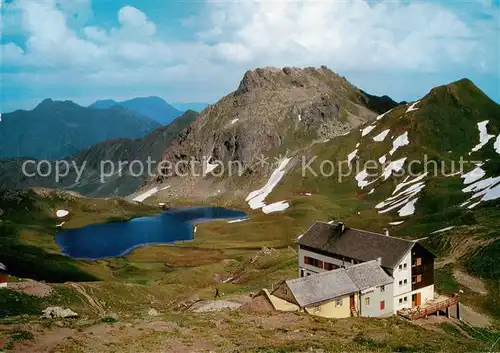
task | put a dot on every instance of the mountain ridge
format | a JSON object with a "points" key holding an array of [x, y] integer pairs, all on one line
{"points": [[116, 150], [274, 108], [153, 107], [68, 126]]}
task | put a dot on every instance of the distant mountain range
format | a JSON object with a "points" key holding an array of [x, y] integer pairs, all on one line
{"points": [[155, 108], [197, 107], [124, 150], [56, 129]]}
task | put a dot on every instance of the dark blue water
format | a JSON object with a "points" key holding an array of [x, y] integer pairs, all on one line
{"points": [[115, 239]]}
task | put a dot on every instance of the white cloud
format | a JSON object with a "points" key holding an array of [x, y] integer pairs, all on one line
{"points": [[419, 37], [134, 23], [344, 34]]}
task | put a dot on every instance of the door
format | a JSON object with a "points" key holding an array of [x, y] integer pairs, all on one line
{"points": [[351, 301], [415, 299]]}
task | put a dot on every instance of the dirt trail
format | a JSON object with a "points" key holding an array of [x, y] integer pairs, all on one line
{"points": [[96, 304], [461, 247], [471, 282]]}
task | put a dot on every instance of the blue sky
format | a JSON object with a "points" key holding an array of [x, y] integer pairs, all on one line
{"points": [[197, 51]]}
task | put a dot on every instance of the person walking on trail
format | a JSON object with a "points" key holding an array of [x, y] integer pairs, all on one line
{"points": [[217, 295]]}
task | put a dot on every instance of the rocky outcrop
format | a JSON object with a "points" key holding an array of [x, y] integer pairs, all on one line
{"points": [[153, 312], [270, 108], [58, 312]]}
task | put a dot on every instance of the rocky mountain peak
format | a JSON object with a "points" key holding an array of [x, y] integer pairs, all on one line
{"points": [[273, 108], [273, 78]]}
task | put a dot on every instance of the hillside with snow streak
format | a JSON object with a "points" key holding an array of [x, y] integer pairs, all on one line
{"points": [[405, 165]]}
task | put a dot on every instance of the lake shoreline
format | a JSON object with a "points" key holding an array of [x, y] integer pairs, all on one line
{"points": [[117, 238]]}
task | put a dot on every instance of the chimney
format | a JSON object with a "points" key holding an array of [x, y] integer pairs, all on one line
{"points": [[386, 232], [340, 228], [379, 261]]}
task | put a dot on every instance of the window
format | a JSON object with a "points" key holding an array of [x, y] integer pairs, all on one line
{"points": [[405, 266], [382, 305], [405, 282], [338, 302], [382, 288], [400, 283], [400, 300], [329, 266], [405, 299], [417, 279], [301, 273], [400, 267], [418, 261], [367, 301], [313, 262]]}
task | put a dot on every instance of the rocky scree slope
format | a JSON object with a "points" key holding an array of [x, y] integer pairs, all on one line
{"points": [[271, 109]]}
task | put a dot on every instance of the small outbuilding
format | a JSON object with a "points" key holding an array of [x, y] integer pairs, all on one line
{"points": [[328, 294]]}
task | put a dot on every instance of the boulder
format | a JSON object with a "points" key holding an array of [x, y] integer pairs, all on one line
{"points": [[58, 312], [153, 312]]}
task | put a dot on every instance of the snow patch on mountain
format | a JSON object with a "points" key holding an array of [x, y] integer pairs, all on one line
{"points": [[382, 115], [483, 135], [443, 230], [412, 107], [404, 197], [234, 121], [408, 209], [382, 159], [146, 194], [61, 213], [208, 166], [394, 166], [487, 189], [474, 175], [401, 140], [256, 198], [397, 223], [361, 179], [367, 130], [351, 155], [238, 220], [497, 144], [381, 137], [407, 182], [275, 207]]}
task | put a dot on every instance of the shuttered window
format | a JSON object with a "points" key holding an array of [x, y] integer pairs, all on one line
{"points": [[313, 262]]}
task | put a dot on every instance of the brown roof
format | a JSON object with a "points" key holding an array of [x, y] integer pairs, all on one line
{"points": [[355, 243]]}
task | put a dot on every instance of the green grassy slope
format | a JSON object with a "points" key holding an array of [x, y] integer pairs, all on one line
{"points": [[27, 244]]}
